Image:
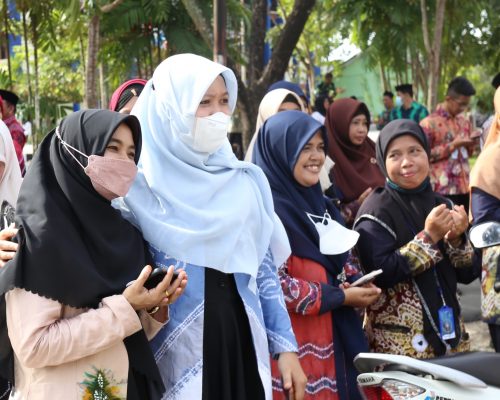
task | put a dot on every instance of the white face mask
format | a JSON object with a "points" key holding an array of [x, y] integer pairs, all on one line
{"points": [[333, 237], [399, 101], [210, 132]]}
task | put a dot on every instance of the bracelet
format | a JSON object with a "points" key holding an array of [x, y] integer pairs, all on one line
{"points": [[153, 310]]}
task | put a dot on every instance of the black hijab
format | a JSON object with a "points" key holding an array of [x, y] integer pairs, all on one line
{"points": [[405, 211], [75, 248]]}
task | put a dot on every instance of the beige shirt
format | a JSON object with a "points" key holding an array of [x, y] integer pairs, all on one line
{"points": [[61, 352]]}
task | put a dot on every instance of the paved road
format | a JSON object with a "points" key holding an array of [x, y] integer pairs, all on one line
{"points": [[471, 301], [471, 309]]}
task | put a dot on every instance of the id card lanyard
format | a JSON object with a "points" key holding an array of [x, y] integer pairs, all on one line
{"points": [[446, 319]]}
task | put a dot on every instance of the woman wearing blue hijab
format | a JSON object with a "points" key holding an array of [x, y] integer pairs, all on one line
{"points": [[290, 149], [202, 209]]}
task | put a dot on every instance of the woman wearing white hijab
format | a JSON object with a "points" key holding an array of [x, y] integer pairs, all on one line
{"points": [[202, 209], [10, 174], [273, 102]]}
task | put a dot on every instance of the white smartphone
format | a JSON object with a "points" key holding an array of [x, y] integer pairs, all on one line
{"points": [[367, 278]]}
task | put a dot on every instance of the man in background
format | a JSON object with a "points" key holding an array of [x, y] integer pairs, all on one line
{"points": [[406, 107], [8, 108], [385, 116], [449, 133], [327, 87]]}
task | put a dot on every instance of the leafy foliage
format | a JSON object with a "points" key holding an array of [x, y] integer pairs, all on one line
{"points": [[138, 34]]}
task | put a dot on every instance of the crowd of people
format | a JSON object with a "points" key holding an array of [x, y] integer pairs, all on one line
{"points": [[258, 297]]}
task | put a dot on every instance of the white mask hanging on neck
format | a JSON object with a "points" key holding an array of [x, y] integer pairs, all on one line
{"points": [[333, 237]]}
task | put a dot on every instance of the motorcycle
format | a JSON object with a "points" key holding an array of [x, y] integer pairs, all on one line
{"points": [[485, 235], [464, 376]]}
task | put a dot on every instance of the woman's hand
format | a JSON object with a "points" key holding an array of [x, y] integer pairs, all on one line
{"points": [[438, 223], [360, 297], [460, 225], [163, 294], [7, 247], [292, 375]]}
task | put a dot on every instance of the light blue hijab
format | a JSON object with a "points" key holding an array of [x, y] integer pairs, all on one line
{"points": [[205, 209]]}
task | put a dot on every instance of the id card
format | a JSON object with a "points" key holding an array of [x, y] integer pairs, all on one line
{"points": [[446, 323]]}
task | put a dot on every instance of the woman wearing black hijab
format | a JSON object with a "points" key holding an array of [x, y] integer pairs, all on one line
{"points": [[417, 237], [73, 327]]}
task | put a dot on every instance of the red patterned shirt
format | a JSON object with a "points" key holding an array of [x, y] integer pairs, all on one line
{"points": [[449, 169], [19, 139]]}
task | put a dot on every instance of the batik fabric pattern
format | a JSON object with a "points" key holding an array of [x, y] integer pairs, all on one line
{"points": [[19, 139], [394, 323], [303, 282], [490, 300], [449, 168]]}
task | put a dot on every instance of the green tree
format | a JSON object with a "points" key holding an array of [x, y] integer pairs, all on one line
{"points": [[317, 41], [258, 76], [427, 42]]}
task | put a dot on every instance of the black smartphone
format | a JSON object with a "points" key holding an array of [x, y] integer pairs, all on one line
{"points": [[157, 276]]}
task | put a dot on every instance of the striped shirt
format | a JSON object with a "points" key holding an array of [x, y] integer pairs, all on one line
{"points": [[416, 112]]}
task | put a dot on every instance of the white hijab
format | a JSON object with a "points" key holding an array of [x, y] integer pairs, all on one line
{"points": [[208, 210], [11, 180], [269, 106]]}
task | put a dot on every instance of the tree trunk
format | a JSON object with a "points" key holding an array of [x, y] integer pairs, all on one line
{"points": [[407, 79], [151, 63], [220, 28], [103, 85], [139, 68], [383, 78], [6, 23], [27, 57], [436, 65], [91, 69], [259, 78], [158, 47], [36, 124], [92, 53], [82, 54], [199, 21], [434, 50]]}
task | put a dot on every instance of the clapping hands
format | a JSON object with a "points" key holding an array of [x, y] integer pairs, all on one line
{"points": [[445, 223]]}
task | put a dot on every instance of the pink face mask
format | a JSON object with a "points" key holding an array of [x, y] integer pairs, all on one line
{"points": [[110, 177]]}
